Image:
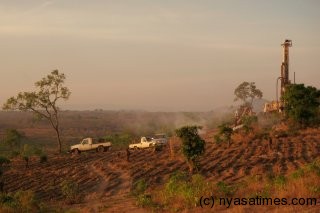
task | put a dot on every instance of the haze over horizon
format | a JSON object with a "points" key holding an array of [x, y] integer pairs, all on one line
{"points": [[156, 55]]}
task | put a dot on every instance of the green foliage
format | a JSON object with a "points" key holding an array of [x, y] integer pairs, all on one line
{"points": [[21, 201], [4, 160], [247, 90], [225, 189], [314, 167], [193, 146], [186, 191], [218, 139], [248, 123], [172, 185], [119, 140], [70, 191], [279, 181], [298, 173], [224, 134], [12, 138], [139, 187], [8, 202], [302, 103], [139, 191], [43, 158], [29, 150], [14, 154], [144, 200], [314, 189], [43, 102]]}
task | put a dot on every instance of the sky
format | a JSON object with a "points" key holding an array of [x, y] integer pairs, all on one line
{"points": [[156, 55]]}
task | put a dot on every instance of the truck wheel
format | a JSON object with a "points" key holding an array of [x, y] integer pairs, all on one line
{"points": [[100, 149], [76, 151]]}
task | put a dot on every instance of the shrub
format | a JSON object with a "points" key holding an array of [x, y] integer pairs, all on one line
{"points": [[225, 189], [298, 173], [14, 154], [248, 123], [314, 167], [144, 200], [279, 181], [70, 191], [43, 158], [302, 104], [225, 133], [193, 146], [21, 201], [4, 160], [179, 189], [27, 201], [139, 187]]}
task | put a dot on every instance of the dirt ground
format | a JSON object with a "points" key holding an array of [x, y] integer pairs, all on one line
{"points": [[105, 179]]}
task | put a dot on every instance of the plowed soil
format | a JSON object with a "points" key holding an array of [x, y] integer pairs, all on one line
{"points": [[105, 179]]}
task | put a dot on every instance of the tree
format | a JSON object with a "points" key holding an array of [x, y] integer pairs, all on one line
{"points": [[12, 138], [43, 102], [301, 103], [249, 122], [193, 146], [247, 92], [225, 133]]}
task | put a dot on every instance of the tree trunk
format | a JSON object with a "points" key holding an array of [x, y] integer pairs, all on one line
{"points": [[191, 166], [58, 139]]}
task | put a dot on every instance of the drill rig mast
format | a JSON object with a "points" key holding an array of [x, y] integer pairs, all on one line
{"points": [[284, 78], [285, 66]]}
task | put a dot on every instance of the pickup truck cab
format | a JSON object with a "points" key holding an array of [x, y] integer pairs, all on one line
{"points": [[160, 139], [88, 144], [145, 142]]}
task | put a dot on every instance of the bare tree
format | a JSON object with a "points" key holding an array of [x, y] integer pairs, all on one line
{"points": [[43, 102]]}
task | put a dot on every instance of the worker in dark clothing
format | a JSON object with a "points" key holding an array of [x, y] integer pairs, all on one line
{"points": [[128, 154], [270, 143]]}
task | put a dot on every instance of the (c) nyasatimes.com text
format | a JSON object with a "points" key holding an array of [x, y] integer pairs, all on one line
{"points": [[256, 201]]}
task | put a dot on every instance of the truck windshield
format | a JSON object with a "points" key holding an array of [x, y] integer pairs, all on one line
{"points": [[159, 136], [85, 141]]}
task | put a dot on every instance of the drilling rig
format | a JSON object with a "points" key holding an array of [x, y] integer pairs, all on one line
{"points": [[278, 105]]}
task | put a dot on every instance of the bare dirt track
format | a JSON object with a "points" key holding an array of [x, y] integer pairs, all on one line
{"points": [[105, 179]]}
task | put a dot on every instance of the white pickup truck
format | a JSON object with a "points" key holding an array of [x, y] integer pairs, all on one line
{"points": [[160, 139], [147, 142], [88, 144]]}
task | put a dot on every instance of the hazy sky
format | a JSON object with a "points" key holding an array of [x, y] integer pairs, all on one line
{"points": [[156, 55]]}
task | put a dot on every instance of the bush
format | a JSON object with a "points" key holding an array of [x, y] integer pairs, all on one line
{"points": [[21, 201], [225, 133], [14, 154], [279, 181], [249, 122], [179, 189], [70, 191], [119, 140], [193, 146], [314, 167], [4, 160], [144, 200], [298, 173], [225, 189], [43, 158], [302, 104], [139, 187]]}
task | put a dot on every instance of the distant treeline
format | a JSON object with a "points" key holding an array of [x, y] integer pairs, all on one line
{"points": [[100, 123]]}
